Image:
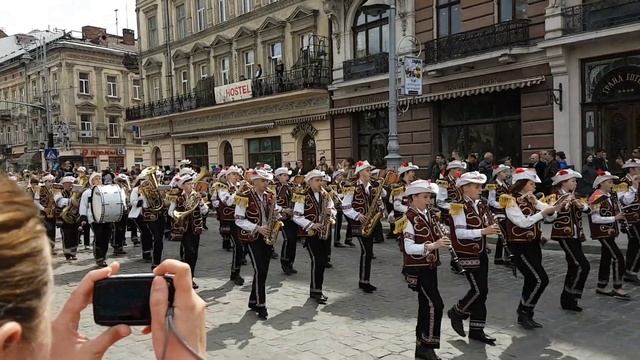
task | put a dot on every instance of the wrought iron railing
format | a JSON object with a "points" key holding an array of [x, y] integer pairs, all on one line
{"points": [[600, 15], [88, 140], [116, 141], [494, 37], [307, 77], [363, 67]]}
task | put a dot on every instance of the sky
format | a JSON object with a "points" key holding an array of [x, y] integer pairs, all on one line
{"points": [[22, 16]]}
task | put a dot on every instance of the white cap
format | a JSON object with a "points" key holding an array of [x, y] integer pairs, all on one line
{"points": [[282, 171], [261, 174], [407, 166], [186, 171], [184, 180], [122, 177], [234, 169], [631, 163], [82, 168], [93, 176], [525, 174], [185, 162], [222, 173], [472, 177], [362, 165], [500, 168], [267, 167], [313, 174], [327, 178], [564, 174], [67, 179], [419, 187], [456, 164], [337, 173], [48, 177], [602, 177]]}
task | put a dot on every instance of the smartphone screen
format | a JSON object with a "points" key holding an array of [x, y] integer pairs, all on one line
{"points": [[123, 299]]}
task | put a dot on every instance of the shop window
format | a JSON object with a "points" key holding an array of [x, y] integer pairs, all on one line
{"points": [[477, 124], [116, 163], [197, 153], [371, 34], [372, 132], [265, 150]]}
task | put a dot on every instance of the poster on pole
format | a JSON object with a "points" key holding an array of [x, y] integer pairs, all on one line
{"points": [[411, 77]]}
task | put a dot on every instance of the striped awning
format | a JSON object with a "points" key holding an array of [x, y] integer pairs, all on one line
{"points": [[444, 95]]}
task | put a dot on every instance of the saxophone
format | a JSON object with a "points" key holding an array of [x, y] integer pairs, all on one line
{"points": [[325, 220], [374, 214], [70, 214], [273, 223]]}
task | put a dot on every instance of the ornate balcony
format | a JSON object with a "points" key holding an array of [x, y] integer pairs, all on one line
{"points": [[116, 141], [600, 15], [489, 38], [366, 66], [88, 140]]}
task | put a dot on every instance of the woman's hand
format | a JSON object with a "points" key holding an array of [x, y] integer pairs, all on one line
{"points": [[189, 313], [67, 343]]}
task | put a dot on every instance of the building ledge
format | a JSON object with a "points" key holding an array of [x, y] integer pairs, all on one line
{"points": [[517, 50], [343, 84], [590, 36]]}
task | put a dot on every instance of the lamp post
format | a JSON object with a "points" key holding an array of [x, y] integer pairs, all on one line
{"points": [[377, 8]]}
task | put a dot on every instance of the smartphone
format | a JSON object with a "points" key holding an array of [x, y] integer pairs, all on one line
{"points": [[124, 299]]}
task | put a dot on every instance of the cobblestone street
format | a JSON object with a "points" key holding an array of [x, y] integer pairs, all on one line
{"points": [[355, 325]]}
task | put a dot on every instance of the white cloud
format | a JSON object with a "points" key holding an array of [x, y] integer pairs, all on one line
{"points": [[23, 16]]}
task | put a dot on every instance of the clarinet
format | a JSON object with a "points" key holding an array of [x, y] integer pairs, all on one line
{"points": [[490, 218], [442, 231]]}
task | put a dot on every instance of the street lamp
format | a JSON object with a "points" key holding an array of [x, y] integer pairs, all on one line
{"points": [[377, 8]]}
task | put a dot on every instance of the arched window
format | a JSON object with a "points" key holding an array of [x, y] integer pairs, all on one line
{"points": [[370, 34], [309, 152], [228, 154], [157, 157]]}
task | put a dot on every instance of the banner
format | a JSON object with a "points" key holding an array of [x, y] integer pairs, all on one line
{"points": [[233, 92], [411, 76]]}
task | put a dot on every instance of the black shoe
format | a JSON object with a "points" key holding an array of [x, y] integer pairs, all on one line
{"points": [[287, 270], [368, 288], [424, 353], [319, 298], [194, 285], [479, 335], [253, 307], [339, 245], [526, 322], [620, 296], [274, 255], [136, 244], [456, 271], [119, 252], [73, 257], [373, 257], [328, 265], [237, 279], [631, 278], [262, 313], [571, 306], [499, 262], [101, 264], [349, 243], [535, 323], [243, 262], [456, 322]]}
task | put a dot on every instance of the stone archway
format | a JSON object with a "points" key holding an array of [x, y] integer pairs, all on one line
{"points": [[226, 150], [156, 157]]}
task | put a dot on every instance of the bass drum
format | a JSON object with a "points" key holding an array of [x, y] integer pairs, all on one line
{"points": [[107, 204]]}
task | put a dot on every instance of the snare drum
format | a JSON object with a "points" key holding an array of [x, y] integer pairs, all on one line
{"points": [[107, 203]]}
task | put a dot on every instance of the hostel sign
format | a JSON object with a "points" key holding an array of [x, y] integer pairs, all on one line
{"points": [[233, 92]]}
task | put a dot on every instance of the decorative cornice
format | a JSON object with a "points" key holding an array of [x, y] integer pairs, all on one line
{"points": [[270, 23]]}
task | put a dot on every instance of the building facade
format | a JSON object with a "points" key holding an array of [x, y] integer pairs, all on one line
{"points": [[234, 82], [90, 80]]}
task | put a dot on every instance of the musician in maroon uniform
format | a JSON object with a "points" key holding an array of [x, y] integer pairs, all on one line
{"points": [[496, 187], [225, 194], [407, 173], [470, 224], [631, 208], [313, 212], [357, 203], [420, 240], [339, 182], [567, 230], [603, 223], [449, 193], [290, 233], [254, 211], [524, 237]]}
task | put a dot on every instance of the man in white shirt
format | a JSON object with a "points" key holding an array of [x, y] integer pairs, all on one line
{"points": [[101, 231]]}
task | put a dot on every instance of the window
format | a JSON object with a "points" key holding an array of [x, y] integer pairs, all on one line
{"points": [[157, 92], [482, 123], [136, 89], [247, 58], [275, 55], [246, 6], [448, 17], [372, 132], [181, 21], [222, 11], [83, 87], [224, 70], [204, 71], [114, 127], [371, 34], [197, 153], [34, 88], [112, 86], [201, 15], [55, 83], [184, 77], [22, 94], [265, 150], [152, 30], [513, 9], [135, 130], [85, 125]]}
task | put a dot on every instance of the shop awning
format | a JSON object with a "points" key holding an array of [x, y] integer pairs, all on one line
{"points": [[226, 130], [301, 119], [444, 95]]}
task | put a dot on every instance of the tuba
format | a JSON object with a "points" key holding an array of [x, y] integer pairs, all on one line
{"points": [[47, 199], [273, 223], [70, 214], [192, 202], [150, 190]]}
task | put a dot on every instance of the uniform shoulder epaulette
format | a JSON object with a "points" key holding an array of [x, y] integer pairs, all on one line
{"points": [[622, 187], [397, 190], [348, 189], [400, 225], [241, 200], [298, 198], [443, 183], [506, 201], [219, 185], [456, 209], [550, 199], [490, 187]]}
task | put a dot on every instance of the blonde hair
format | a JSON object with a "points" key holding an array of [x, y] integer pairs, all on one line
{"points": [[25, 262]]}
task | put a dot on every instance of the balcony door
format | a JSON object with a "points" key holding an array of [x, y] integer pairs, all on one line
{"points": [[309, 152], [370, 34]]}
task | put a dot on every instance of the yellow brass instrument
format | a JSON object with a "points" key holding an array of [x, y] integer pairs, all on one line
{"points": [[326, 220], [149, 189], [374, 213], [70, 214], [192, 202], [47, 199], [274, 225]]}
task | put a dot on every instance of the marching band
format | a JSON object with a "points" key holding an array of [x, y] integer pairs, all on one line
{"points": [[257, 207]]}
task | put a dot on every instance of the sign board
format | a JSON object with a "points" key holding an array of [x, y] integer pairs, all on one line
{"points": [[411, 76], [51, 154], [233, 92]]}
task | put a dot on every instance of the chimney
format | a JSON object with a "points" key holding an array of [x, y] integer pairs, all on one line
{"points": [[2, 34], [92, 33], [128, 37]]}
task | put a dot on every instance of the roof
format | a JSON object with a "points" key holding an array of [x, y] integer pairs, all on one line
{"points": [[17, 45]]}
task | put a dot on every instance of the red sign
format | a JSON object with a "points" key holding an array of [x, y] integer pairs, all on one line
{"points": [[98, 152]]}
